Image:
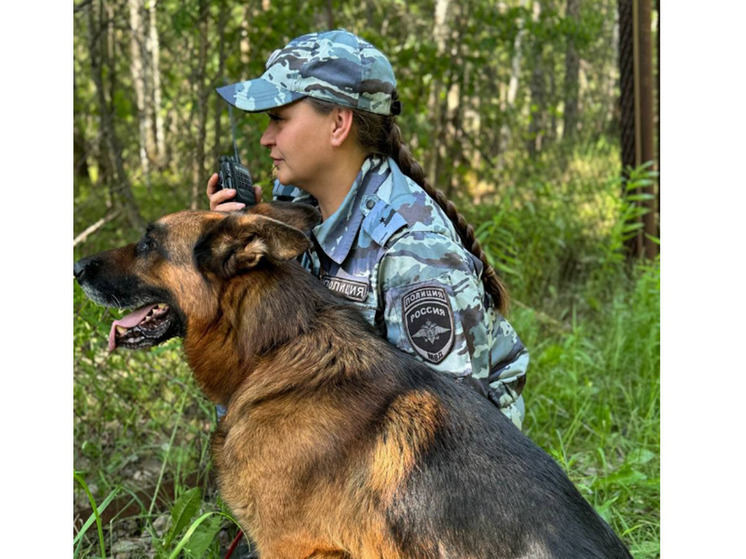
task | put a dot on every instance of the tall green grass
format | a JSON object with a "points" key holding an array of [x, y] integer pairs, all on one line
{"points": [[592, 400], [591, 321]]}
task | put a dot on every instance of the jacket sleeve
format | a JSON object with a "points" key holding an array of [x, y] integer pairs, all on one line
{"points": [[435, 308]]}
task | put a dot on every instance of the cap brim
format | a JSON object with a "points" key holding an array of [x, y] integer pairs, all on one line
{"points": [[257, 95]]}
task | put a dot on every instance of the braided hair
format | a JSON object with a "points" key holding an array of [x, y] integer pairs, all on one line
{"points": [[381, 134]]}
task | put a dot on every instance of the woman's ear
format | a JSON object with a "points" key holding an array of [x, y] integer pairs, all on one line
{"points": [[342, 125]]}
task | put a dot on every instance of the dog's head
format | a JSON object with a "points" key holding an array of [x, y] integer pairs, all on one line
{"points": [[169, 276]]}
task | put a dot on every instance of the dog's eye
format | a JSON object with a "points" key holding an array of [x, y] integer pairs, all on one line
{"points": [[145, 245]]}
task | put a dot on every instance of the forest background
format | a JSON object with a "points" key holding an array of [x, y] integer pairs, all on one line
{"points": [[515, 109], [702, 112]]}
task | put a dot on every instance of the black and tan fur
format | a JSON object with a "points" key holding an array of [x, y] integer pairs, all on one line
{"points": [[335, 444]]}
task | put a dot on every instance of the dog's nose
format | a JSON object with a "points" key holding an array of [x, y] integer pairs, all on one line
{"points": [[78, 269], [81, 267]]}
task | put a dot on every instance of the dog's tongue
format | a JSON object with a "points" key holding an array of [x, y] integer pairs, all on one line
{"points": [[128, 321]]}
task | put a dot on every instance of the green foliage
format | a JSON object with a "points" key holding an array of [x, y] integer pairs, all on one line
{"points": [[182, 513], [591, 321], [595, 389], [481, 48], [553, 221], [96, 516], [196, 535], [547, 235]]}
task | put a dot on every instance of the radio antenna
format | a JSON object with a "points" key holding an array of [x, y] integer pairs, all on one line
{"points": [[233, 125], [233, 133]]}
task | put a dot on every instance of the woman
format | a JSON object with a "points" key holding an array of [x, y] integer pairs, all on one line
{"points": [[388, 242]]}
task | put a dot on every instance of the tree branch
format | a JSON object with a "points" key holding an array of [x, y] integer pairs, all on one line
{"points": [[93, 228]]}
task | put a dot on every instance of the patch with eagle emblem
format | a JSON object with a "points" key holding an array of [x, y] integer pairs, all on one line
{"points": [[428, 322]]}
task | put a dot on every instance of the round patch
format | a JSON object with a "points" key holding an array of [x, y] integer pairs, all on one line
{"points": [[428, 322]]}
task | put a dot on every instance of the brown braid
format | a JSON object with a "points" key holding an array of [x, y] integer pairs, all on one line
{"points": [[381, 134]]}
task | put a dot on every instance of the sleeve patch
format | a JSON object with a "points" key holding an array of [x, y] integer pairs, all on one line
{"points": [[382, 222], [428, 322]]}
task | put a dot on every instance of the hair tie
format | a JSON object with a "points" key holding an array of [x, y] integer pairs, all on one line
{"points": [[396, 107]]}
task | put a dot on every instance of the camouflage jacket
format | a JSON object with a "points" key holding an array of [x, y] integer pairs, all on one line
{"points": [[393, 252]]}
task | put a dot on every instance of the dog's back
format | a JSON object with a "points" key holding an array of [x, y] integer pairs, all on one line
{"points": [[494, 493]]}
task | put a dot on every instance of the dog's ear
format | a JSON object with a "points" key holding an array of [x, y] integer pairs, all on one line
{"points": [[241, 242], [300, 216]]}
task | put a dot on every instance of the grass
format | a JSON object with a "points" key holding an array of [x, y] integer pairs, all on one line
{"points": [[592, 402], [590, 321]]}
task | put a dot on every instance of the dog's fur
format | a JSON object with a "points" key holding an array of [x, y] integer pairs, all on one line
{"points": [[335, 444]]}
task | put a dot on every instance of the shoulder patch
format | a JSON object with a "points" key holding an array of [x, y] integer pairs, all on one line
{"points": [[382, 222], [428, 322]]}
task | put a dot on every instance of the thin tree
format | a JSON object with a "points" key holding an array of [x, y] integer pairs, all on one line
{"points": [[154, 66], [201, 92], [572, 71], [537, 86], [138, 62], [223, 14], [438, 92]]}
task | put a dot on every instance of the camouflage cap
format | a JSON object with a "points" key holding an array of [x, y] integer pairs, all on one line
{"points": [[335, 66]]}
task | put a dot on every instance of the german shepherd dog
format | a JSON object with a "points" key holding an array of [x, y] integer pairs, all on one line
{"points": [[335, 444]]}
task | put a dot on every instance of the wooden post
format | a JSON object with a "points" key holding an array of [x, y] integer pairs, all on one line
{"points": [[644, 118], [637, 110]]}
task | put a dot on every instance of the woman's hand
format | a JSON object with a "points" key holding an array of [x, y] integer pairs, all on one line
{"points": [[222, 200]]}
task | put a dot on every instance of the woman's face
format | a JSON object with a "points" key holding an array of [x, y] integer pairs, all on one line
{"points": [[297, 137]]}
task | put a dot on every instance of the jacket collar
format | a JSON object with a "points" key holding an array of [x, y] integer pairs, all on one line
{"points": [[336, 235]]}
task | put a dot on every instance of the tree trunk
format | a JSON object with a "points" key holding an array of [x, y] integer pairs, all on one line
{"points": [[538, 96], [515, 64], [436, 103], [121, 190], [80, 154], [201, 92], [515, 75], [220, 104], [626, 84], [158, 131], [329, 5], [612, 96], [552, 133], [245, 43], [658, 101], [636, 85], [80, 143], [572, 72], [645, 122], [98, 55], [138, 56], [456, 143]]}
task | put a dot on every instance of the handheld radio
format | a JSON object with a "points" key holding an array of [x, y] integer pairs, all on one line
{"points": [[231, 174]]}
